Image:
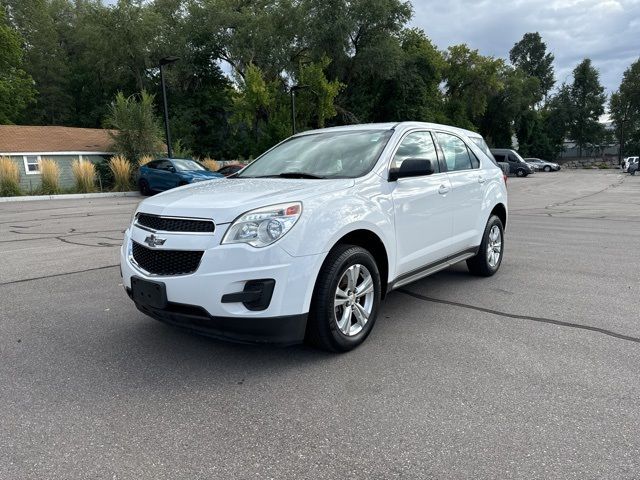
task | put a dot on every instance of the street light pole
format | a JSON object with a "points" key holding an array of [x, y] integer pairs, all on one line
{"points": [[293, 90], [166, 61]]}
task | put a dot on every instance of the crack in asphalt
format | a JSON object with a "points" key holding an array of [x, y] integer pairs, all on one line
{"points": [[58, 275], [551, 321], [613, 185]]}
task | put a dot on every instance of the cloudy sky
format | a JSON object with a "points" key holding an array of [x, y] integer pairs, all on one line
{"points": [[607, 31]]}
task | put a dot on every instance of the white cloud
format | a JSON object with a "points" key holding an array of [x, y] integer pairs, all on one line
{"points": [[607, 31]]}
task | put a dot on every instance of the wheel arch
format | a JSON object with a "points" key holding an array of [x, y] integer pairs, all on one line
{"points": [[501, 212], [371, 242]]}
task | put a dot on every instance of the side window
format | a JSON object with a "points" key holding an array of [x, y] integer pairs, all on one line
{"points": [[164, 165], [499, 157], [512, 158], [417, 145], [456, 154], [153, 164]]}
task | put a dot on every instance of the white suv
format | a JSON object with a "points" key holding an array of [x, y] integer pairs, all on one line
{"points": [[305, 241]]}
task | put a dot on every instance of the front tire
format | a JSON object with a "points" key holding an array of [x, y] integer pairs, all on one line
{"points": [[521, 173], [144, 188], [345, 300], [547, 168], [489, 257]]}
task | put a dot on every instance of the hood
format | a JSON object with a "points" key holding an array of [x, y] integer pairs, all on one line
{"points": [[225, 199], [200, 174]]}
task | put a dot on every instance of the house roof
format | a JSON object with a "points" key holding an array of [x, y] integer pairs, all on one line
{"points": [[50, 139]]}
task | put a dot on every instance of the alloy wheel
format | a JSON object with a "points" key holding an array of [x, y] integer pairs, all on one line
{"points": [[354, 299]]}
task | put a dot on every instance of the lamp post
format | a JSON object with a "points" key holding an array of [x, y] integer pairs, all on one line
{"points": [[293, 90], [166, 61]]}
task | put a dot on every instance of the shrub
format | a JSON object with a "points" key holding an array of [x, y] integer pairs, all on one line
{"points": [[50, 174], [121, 168], [85, 175], [9, 178], [211, 164]]}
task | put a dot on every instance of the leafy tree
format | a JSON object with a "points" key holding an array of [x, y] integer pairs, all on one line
{"points": [[41, 22], [506, 107], [470, 81], [530, 55], [588, 100], [557, 117], [624, 106], [413, 93], [16, 86], [320, 94], [138, 130]]}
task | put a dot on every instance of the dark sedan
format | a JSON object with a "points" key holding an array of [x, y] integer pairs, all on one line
{"points": [[166, 173], [543, 164]]}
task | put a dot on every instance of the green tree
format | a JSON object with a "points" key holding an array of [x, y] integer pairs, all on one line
{"points": [[470, 81], [137, 128], [413, 93], [320, 95], [530, 55], [588, 99], [506, 107], [16, 86], [40, 23], [624, 106]]}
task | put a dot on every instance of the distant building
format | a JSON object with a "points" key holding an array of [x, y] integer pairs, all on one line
{"points": [[27, 145]]}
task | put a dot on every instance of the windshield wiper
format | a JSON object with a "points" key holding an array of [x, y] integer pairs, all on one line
{"points": [[299, 175]]}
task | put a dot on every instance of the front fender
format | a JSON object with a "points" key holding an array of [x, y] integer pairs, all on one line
{"points": [[328, 217]]}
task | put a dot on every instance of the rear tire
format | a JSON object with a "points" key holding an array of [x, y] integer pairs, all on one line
{"points": [[345, 300], [144, 188], [489, 257]]}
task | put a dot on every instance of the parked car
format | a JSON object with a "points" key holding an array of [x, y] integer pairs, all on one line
{"points": [[543, 164], [166, 173], [516, 163], [627, 162], [230, 169], [305, 241]]}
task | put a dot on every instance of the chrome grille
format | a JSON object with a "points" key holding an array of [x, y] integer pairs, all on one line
{"points": [[174, 224], [166, 262]]}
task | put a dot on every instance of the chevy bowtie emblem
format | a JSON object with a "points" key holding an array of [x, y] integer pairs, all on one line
{"points": [[154, 241]]}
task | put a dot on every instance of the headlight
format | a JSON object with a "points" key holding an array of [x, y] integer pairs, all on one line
{"points": [[263, 226]]}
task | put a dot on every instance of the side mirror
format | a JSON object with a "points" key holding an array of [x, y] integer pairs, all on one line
{"points": [[412, 167]]}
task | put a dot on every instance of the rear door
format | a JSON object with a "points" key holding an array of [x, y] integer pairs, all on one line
{"points": [[467, 190], [423, 216]]}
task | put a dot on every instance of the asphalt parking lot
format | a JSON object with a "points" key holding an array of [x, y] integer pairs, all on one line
{"points": [[533, 373]]}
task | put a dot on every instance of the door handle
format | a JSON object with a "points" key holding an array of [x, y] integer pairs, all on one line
{"points": [[443, 189], [481, 179]]}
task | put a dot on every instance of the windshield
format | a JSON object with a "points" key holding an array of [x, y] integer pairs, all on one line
{"points": [[187, 165], [346, 154]]}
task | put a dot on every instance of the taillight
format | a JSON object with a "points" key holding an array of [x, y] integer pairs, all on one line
{"points": [[504, 175]]}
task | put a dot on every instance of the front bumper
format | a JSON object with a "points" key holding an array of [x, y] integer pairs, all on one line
{"points": [[284, 330], [195, 301]]}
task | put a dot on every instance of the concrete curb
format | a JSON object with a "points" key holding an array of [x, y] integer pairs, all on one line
{"points": [[68, 196]]}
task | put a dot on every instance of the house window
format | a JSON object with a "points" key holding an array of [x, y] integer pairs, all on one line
{"points": [[31, 164]]}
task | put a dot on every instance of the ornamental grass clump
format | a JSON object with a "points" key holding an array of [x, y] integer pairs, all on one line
{"points": [[122, 173], [9, 178], [211, 164], [144, 159], [50, 175], [84, 173]]}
